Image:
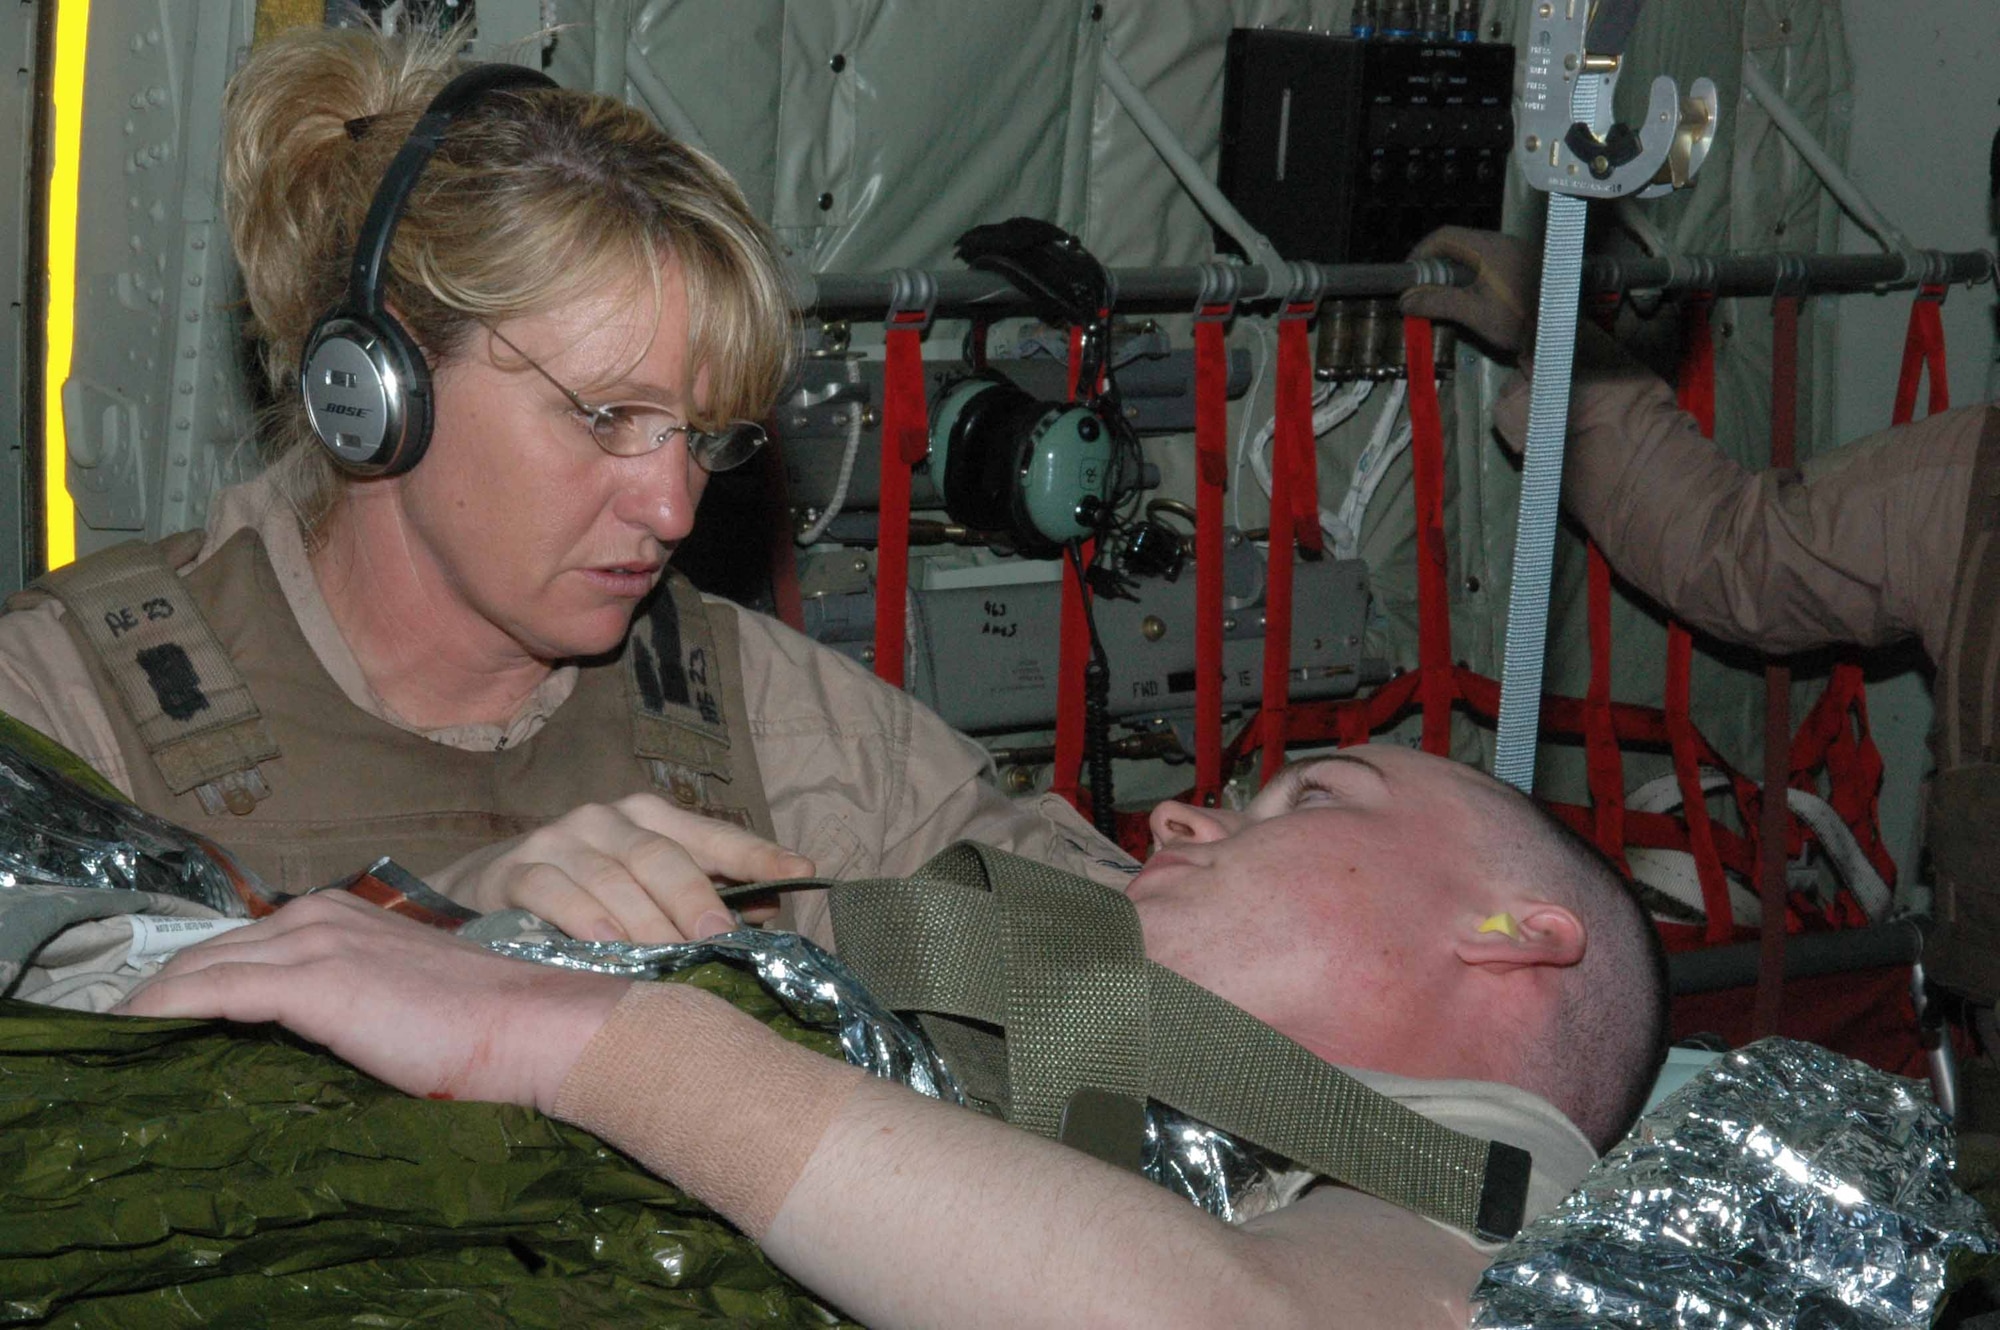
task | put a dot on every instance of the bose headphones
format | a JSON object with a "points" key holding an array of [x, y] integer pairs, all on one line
{"points": [[366, 384]]}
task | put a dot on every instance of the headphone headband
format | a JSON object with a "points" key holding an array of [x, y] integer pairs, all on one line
{"points": [[378, 228], [366, 385]]}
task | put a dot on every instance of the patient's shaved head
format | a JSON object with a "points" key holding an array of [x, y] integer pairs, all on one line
{"points": [[1345, 906], [1597, 1060]]}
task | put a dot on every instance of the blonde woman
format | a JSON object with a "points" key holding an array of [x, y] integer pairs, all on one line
{"points": [[463, 648]]}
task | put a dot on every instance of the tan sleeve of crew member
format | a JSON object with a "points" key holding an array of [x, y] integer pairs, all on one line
{"points": [[1860, 545], [707, 1098]]}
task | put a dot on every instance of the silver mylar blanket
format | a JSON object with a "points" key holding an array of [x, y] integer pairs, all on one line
{"points": [[1784, 1186]]}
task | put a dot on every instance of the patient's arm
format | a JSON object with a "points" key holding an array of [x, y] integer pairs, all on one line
{"points": [[899, 1209]]}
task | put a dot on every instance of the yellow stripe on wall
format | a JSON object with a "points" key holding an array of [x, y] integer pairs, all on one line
{"points": [[72, 40]]}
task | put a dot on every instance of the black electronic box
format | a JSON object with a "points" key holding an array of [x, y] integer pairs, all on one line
{"points": [[1343, 150]]}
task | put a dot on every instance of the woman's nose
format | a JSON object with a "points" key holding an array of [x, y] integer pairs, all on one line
{"points": [[660, 492]]}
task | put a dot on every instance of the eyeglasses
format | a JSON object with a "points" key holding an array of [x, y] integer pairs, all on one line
{"points": [[634, 429]]}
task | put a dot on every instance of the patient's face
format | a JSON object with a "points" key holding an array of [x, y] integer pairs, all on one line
{"points": [[1329, 907]]}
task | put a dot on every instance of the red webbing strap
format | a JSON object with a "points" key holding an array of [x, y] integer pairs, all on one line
{"points": [[1681, 739], [905, 442], [1697, 397], [1072, 655], [1774, 822], [1923, 348], [1853, 763], [1211, 482], [1294, 518], [1604, 761], [1073, 644], [1436, 691]]}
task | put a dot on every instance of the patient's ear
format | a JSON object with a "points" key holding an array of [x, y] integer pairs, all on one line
{"points": [[1532, 933]]}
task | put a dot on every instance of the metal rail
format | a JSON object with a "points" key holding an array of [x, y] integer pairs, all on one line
{"points": [[964, 292]]}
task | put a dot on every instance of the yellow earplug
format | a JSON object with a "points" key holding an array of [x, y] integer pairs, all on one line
{"points": [[1502, 923]]}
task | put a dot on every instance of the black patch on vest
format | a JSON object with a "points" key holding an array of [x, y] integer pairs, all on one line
{"points": [[171, 673], [661, 678]]}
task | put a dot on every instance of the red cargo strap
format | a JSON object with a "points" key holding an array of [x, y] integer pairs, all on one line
{"points": [[1836, 730], [1436, 691], [1294, 518], [905, 442], [1604, 761], [1211, 447], [1697, 397], [1923, 348], [1774, 822], [1073, 644]]}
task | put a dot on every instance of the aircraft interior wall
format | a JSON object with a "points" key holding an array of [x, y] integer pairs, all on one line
{"points": [[870, 136]]}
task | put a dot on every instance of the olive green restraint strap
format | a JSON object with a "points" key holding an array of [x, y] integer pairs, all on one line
{"points": [[1090, 1029]]}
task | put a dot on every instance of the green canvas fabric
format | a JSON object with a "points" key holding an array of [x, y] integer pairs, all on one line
{"points": [[187, 1173]]}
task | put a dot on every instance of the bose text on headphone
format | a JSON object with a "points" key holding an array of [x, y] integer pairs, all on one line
{"points": [[366, 384]]}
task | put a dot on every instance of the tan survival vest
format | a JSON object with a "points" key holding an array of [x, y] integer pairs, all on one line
{"points": [[231, 727], [1964, 811]]}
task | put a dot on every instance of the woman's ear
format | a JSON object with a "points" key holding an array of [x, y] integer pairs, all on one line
{"points": [[1531, 933]]}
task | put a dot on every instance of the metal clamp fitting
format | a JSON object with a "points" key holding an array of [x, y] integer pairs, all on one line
{"points": [[913, 295], [1221, 283], [1304, 283], [1791, 278], [1687, 272]]}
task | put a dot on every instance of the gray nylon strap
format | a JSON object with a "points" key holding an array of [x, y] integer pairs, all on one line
{"points": [[1107, 1020], [1203, 1053], [1077, 994], [1541, 476], [192, 709]]}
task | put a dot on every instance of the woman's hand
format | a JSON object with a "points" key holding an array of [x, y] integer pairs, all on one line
{"points": [[639, 870], [428, 1013]]}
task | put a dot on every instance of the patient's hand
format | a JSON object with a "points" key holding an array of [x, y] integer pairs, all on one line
{"points": [[640, 870], [428, 1013]]}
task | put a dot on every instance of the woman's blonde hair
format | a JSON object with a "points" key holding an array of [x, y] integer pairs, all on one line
{"points": [[536, 197]]}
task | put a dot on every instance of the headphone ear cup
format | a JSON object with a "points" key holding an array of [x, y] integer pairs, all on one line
{"points": [[367, 391]]}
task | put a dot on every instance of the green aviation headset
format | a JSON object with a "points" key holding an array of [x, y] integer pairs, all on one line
{"points": [[366, 384]]}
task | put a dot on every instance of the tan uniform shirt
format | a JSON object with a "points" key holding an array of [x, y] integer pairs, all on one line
{"points": [[861, 779], [1858, 546]]}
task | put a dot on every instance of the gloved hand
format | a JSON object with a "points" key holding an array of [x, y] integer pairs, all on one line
{"points": [[1498, 310]]}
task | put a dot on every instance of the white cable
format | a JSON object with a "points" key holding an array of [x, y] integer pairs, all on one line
{"points": [[1263, 359], [1385, 445], [838, 500], [1673, 871]]}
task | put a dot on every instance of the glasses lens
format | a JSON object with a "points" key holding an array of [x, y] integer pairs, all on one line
{"points": [[629, 429], [728, 447]]}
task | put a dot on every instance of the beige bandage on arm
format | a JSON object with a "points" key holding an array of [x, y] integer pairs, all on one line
{"points": [[707, 1098]]}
